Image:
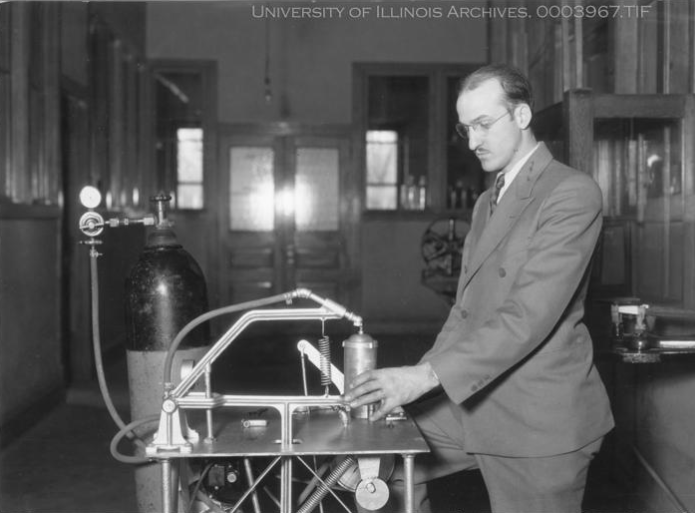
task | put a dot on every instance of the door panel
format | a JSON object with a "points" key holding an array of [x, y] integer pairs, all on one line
{"points": [[317, 238], [246, 200], [251, 188], [286, 224]]}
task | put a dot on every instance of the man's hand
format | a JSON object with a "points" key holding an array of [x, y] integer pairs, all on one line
{"points": [[392, 387]]}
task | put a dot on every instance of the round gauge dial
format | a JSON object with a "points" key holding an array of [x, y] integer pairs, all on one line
{"points": [[90, 196]]}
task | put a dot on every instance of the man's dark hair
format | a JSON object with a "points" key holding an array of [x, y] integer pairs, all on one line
{"points": [[516, 86]]}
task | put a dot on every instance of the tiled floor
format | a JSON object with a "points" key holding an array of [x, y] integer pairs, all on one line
{"points": [[63, 465]]}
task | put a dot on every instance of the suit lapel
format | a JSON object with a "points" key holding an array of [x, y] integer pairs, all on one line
{"points": [[509, 209]]}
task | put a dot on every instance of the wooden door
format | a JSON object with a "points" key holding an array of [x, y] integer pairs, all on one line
{"points": [[286, 216]]}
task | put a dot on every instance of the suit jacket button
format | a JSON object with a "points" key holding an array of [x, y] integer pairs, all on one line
{"points": [[464, 314], [502, 272]]}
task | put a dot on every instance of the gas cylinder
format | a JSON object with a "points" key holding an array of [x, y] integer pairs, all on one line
{"points": [[164, 291], [359, 352]]}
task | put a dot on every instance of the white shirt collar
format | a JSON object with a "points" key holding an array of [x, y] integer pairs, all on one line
{"points": [[511, 174]]}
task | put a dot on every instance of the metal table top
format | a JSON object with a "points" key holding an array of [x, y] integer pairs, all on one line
{"points": [[320, 432]]}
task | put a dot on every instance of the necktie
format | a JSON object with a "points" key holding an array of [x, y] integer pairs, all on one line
{"points": [[499, 183]]}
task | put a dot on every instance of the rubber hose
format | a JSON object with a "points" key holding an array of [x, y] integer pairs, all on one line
{"points": [[96, 339], [125, 430]]}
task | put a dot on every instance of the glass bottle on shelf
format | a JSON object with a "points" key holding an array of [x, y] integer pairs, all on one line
{"points": [[422, 193], [405, 193]]}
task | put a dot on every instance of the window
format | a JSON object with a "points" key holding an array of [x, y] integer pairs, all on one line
{"points": [[413, 160], [189, 168], [382, 169], [184, 129]]}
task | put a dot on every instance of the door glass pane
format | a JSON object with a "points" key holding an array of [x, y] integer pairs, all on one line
{"points": [[317, 189], [638, 163], [251, 188]]}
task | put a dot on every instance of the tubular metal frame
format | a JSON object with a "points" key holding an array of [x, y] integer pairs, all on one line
{"points": [[174, 438]]}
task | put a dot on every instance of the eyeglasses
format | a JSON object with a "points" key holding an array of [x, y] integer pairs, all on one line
{"points": [[479, 127]]}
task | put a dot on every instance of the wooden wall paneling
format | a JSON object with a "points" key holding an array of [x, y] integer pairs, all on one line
{"points": [[688, 199], [19, 179], [688, 157], [99, 100], [145, 147], [579, 130], [5, 37], [625, 58], [497, 40], [680, 59], [50, 49], [5, 118], [31, 366], [130, 130], [130, 126], [116, 140], [577, 51], [664, 49], [566, 54], [669, 253], [650, 48], [643, 106], [691, 47], [519, 44], [540, 42], [674, 249]]}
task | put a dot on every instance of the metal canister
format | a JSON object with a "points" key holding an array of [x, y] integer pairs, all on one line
{"points": [[165, 290], [359, 355]]}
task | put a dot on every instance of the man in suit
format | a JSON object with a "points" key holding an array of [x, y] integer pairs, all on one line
{"points": [[509, 385]]}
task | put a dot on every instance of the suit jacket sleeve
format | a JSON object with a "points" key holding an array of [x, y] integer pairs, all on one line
{"points": [[569, 222]]}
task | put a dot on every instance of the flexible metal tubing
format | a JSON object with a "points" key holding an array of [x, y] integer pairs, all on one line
{"points": [[125, 430], [168, 362], [98, 360]]}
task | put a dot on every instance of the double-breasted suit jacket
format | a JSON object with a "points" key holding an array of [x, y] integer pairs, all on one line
{"points": [[514, 356]]}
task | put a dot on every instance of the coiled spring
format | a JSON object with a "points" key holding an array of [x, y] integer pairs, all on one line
{"points": [[325, 485], [325, 351]]}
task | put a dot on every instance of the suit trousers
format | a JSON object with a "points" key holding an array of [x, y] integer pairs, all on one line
{"points": [[551, 484]]}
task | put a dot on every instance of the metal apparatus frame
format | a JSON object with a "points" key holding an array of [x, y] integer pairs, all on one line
{"points": [[175, 439]]}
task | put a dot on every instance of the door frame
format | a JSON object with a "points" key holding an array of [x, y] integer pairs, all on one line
{"points": [[350, 211]]}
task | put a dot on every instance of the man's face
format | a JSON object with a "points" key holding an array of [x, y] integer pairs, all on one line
{"points": [[494, 134]]}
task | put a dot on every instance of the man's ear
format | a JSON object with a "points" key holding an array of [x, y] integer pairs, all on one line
{"points": [[523, 116]]}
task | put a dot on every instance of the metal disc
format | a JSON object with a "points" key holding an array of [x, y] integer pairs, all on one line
{"points": [[372, 494]]}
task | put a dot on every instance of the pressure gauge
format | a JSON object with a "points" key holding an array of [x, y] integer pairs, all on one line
{"points": [[90, 196]]}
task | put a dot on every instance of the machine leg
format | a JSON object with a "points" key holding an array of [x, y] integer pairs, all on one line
{"points": [[250, 479], [286, 485], [167, 496], [408, 475]]}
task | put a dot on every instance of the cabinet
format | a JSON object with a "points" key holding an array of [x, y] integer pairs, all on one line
{"points": [[639, 148]]}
